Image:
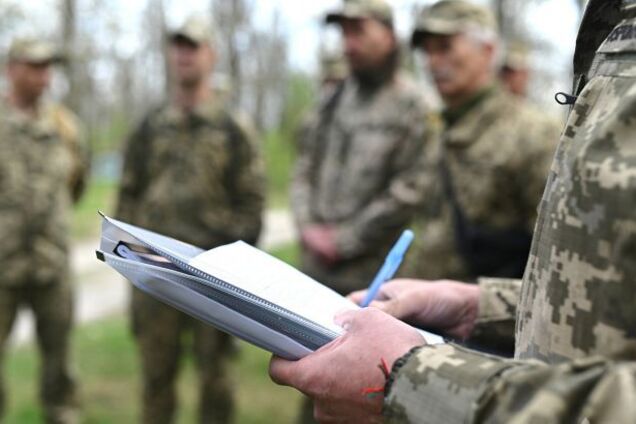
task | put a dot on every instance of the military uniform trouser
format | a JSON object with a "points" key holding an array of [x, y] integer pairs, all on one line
{"points": [[160, 330], [52, 306]]}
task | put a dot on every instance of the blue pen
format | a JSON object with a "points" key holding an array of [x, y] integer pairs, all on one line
{"points": [[389, 268]]}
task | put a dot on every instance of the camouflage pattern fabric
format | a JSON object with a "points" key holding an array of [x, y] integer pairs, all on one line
{"points": [[197, 177], [45, 162], [361, 171], [498, 153], [52, 306], [575, 342]]}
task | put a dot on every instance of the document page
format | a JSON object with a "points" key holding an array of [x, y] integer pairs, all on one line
{"points": [[271, 279]]}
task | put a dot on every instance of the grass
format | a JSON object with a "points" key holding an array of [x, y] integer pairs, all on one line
{"points": [[108, 370], [99, 196], [107, 367]]}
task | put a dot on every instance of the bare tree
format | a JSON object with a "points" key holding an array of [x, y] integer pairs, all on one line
{"points": [[268, 69], [232, 18], [69, 30]]}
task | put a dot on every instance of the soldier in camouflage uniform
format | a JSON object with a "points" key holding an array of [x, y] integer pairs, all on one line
{"points": [[358, 178], [575, 316], [192, 171], [44, 168], [515, 71], [490, 166]]}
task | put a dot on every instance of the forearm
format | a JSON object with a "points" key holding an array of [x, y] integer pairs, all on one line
{"points": [[454, 385], [495, 323]]}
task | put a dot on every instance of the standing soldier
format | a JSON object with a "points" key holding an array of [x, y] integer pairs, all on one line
{"points": [[193, 172], [515, 72], [493, 158], [44, 166], [576, 344], [358, 179]]}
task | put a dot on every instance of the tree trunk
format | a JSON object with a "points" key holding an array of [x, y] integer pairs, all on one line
{"points": [[69, 15]]}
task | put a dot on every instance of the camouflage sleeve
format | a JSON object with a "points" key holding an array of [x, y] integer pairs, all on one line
{"points": [[495, 325], [394, 208], [539, 146], [248, 188], [134, 178], [74, 136], [82, 160], [450, 384]]}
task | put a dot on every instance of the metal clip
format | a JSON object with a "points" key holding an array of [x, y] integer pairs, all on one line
{"points": [[565, 99]]}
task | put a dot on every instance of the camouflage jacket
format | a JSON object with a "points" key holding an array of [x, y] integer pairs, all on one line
{"points": [[44, 166], [576, 319], [498, 152], [360, 171], [197, 177]]}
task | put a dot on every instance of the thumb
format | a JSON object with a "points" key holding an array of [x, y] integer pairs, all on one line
{"points": [[282, 371]]}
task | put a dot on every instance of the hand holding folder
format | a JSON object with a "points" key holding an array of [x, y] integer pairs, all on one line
{"points": [[236, 288]]}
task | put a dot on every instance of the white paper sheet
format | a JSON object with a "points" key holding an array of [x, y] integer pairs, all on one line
{"points": [[271, 279], [277, 282]]}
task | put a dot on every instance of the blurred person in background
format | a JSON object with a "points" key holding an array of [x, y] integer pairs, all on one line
{"points": [[44, 168], [515, 72], [192, 171], [358, 180], [491, 163]]}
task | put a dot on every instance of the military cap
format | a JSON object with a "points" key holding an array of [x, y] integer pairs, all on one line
{"points": [[517, 55], [449, 17], [195, 29], [362, 9], [33, 50]]}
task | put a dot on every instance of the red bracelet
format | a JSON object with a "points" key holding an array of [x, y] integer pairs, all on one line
{"points": [[373, 392]]}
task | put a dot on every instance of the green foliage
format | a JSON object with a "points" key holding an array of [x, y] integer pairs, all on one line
{"points": [[280, 144], [99, 196]]}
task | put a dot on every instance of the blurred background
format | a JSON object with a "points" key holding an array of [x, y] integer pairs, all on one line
{"points": [[269, 64]]}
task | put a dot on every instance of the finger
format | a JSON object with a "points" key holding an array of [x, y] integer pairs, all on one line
{"points": [[282, 371], [390, 307], [345, 319], [358, 296]]}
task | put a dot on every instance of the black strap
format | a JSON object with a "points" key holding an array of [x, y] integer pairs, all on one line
{"points": [[486, 251]]}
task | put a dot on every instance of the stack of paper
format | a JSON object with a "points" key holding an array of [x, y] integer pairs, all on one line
{"points": [[236, 288]]}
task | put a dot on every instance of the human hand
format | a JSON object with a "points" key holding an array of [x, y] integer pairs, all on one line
{"points": [[321, 241], [336, 376], [448, 306]]}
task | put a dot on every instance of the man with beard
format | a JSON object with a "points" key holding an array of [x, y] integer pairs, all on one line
{"points": [[193, 172], [359, 177]]}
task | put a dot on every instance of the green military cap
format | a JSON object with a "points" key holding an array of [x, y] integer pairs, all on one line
{"points": [[517, 55], [362, 9], [33, 50], [449, 17], [195, 29]]}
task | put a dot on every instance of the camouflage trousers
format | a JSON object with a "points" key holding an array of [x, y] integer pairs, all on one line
{"points": [[160, 331], [52, 306]]}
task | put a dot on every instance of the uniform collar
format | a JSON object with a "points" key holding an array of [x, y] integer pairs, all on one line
{"points": [[475, 116], [205, 111], [41, 123], [452, 116]]}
